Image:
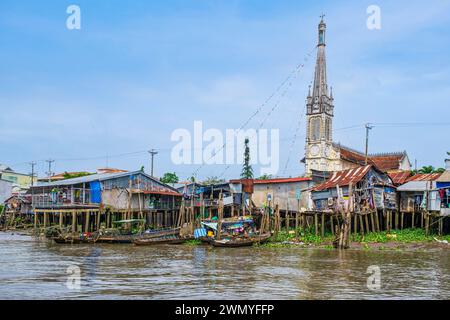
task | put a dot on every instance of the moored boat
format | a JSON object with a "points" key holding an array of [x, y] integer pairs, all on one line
{"points": [[161, 240], [236, 242]]}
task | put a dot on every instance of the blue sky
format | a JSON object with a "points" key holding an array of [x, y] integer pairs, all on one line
{"points": [[138, 70]]}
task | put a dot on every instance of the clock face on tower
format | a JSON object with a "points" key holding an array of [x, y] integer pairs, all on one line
{"points": [[314, 150]]}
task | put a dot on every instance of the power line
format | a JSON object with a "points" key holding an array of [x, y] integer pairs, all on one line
{"points": [[258, 110]]}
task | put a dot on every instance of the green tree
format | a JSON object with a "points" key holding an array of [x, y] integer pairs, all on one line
{"points": [[169, 177], [265, 177], [76, 175], [430, 169], [247, 170], [213, 180], [142, 168]]}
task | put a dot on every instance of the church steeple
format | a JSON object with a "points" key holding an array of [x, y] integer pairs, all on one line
{"points": [[320, 87], [319, 103]]}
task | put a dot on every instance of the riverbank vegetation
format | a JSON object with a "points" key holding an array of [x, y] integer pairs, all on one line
{"points": [[406, 236]]}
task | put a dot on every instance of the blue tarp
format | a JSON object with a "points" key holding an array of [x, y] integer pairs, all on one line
{"points": [[96, 192], [198, 233], [441, 185]]}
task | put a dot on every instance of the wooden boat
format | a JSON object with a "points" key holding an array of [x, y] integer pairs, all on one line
{"points": [[149, 234], [75, 239], [240, 241], [162, 240], [123, 232]]}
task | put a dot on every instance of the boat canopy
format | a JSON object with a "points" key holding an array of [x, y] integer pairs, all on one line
{"points": [[130, 221]]}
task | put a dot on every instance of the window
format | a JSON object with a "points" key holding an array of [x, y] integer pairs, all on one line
{"points": [[314, 125], [328, 129]]}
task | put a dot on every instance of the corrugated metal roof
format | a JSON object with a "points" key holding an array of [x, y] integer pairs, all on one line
{"points": [[343, 178], [445, 177], [425, 177], [399, 177], [383, 161], [4, 168], [417, 186], [96, 177], [282, 180]]}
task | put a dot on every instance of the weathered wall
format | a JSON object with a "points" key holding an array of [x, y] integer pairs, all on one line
{"points": [[115, 198], [283, 194], [5, 190], [24, 181]]}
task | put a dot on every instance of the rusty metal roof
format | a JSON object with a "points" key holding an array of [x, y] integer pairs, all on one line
{"points": [[344, 178], [399, 177], [425, 177], [282, 180], [383, 161]]}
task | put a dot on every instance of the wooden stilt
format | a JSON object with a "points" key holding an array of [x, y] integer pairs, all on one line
{"points": [[323, 225], [396, 220], [401, 220], [377, 220], [372, 221], [412, 220], [74, 221], [316, 224], [45, 219], [332, 224], [366, 220], [86, 227], [422, 218], [361, 225]]}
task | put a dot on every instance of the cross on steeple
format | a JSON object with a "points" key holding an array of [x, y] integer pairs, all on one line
{"points": [[321, 16]]}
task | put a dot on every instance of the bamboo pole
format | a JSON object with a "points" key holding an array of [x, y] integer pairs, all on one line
{"points": [[220, 216], [323, 225], [366, 220], [74, 221], [361, 225], [332, 224], [316, 228], [86, 227], [401, 221], [372, 221]]}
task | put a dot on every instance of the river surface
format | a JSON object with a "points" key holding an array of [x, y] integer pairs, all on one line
{"points": [[32, 269]]}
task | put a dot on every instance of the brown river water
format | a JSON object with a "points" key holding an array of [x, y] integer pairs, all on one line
{"points": [[32, 269]]}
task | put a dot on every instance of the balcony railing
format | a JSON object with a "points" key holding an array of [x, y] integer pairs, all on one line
{"points": [[75, 197]]}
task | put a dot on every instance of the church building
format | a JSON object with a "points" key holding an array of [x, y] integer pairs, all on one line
{"points": [[321, 153]]}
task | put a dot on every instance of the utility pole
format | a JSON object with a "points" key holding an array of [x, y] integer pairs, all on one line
{"points": [[152, 152], [49, 173], [33, 164], [368, 127]]}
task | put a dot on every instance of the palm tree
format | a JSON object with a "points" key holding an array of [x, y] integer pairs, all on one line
{"points": [[430, 169]]}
